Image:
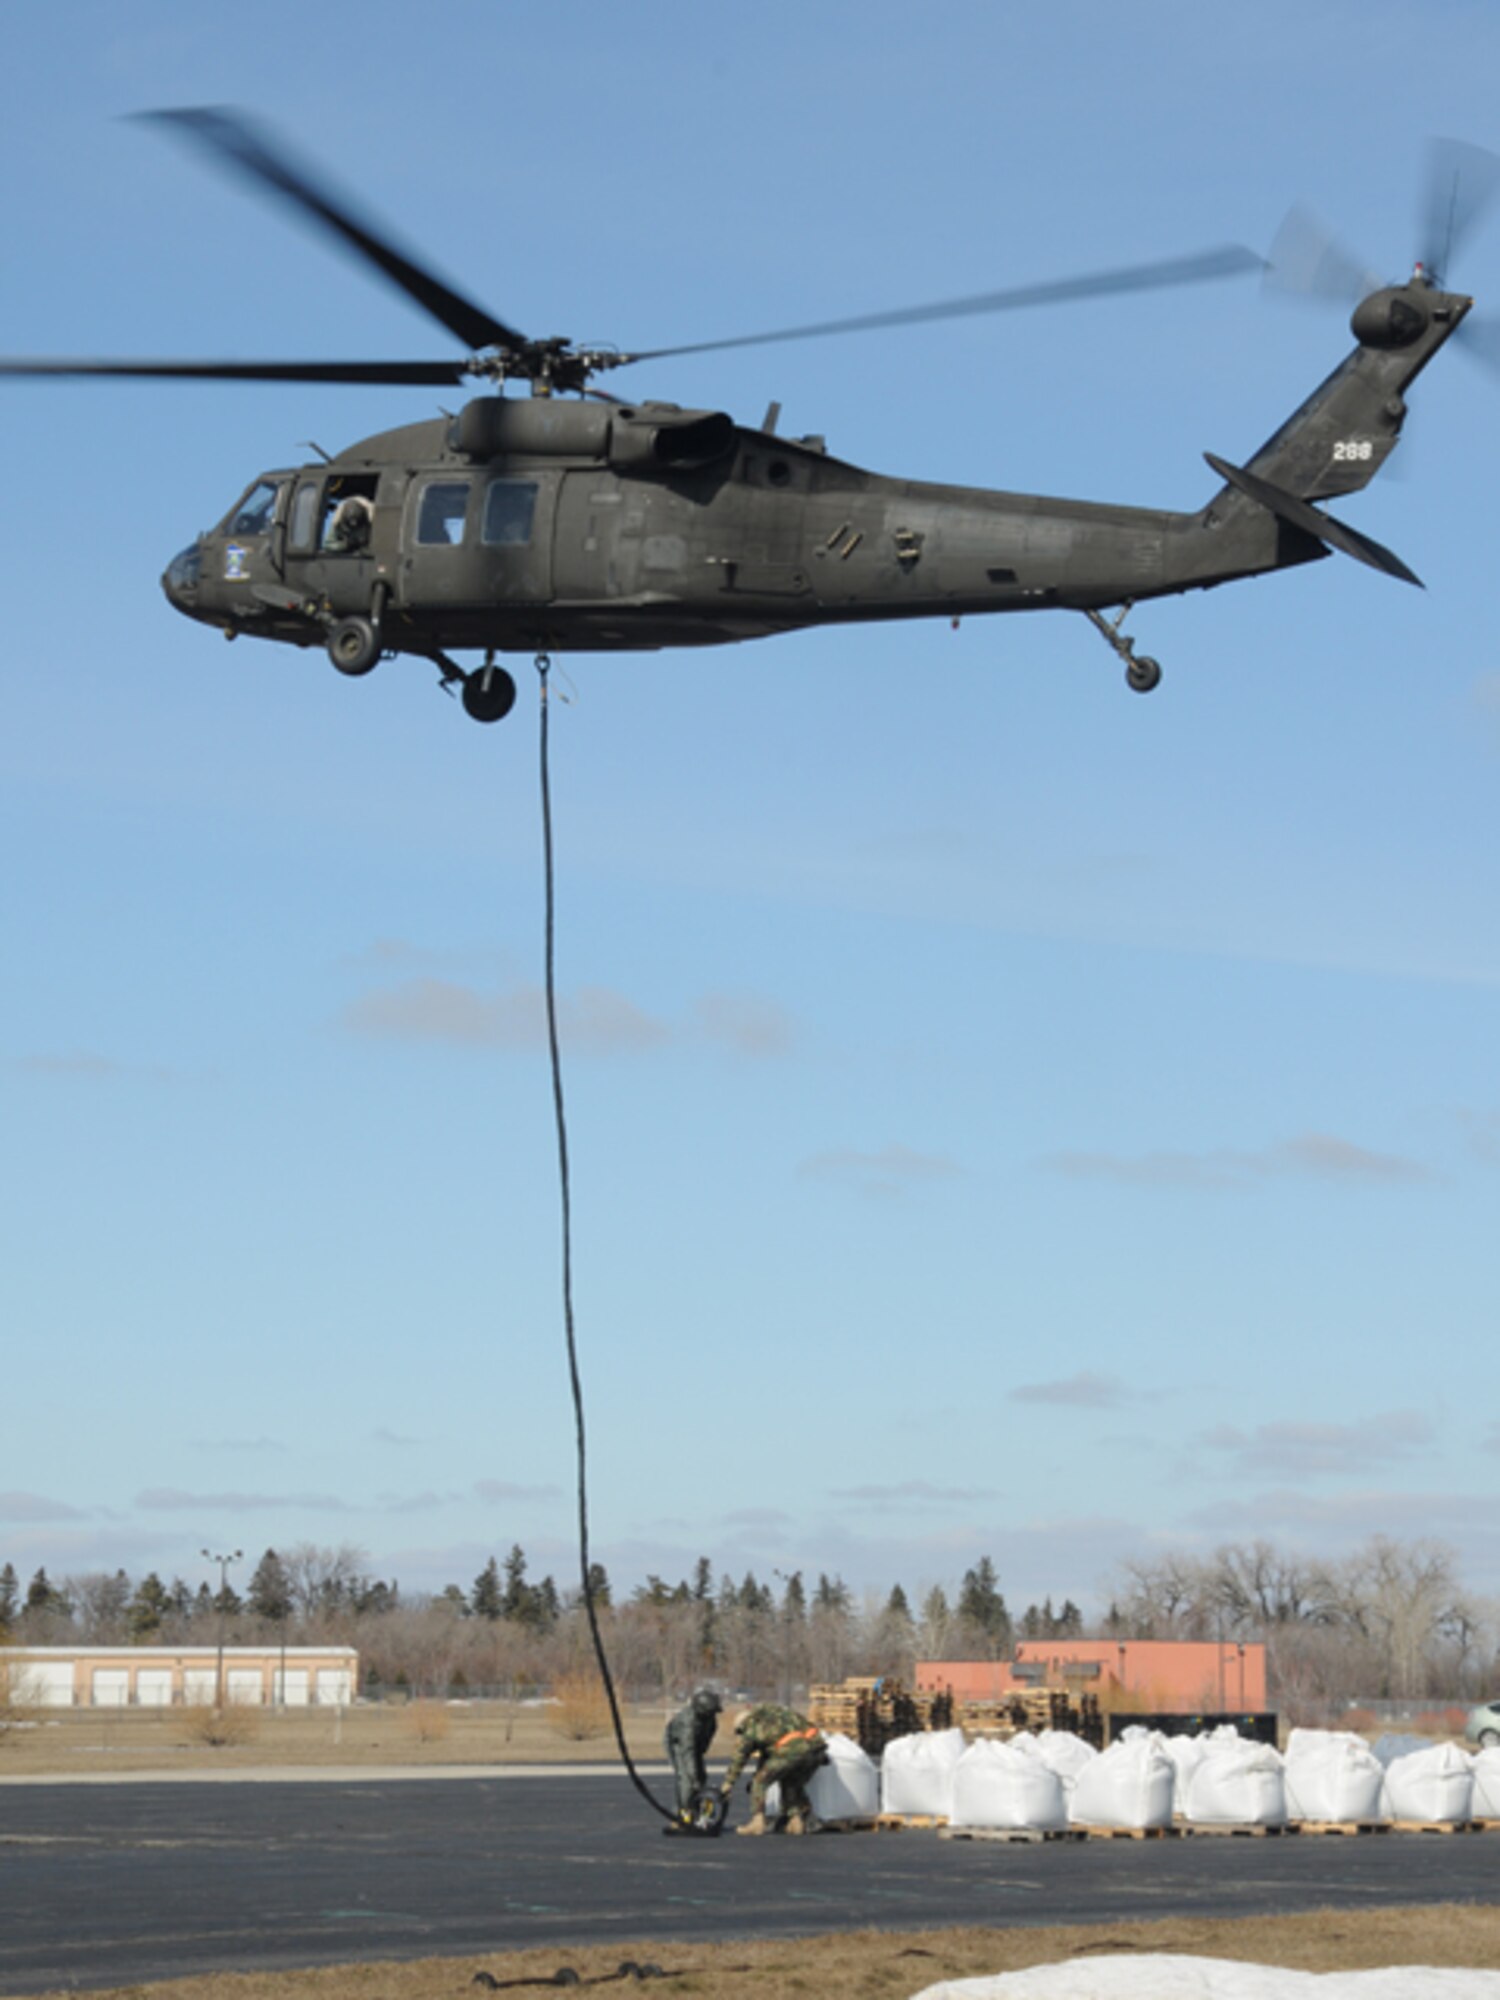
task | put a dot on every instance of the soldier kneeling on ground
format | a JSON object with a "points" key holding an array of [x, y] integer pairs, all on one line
{"points": [[787, 1750]]}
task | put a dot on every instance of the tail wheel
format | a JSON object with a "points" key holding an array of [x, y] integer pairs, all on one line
{"points": [[489, 694], [354, 646]]}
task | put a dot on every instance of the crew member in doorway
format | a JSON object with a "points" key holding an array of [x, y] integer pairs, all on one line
{"points": [[786, 1750], [689, 1734]]}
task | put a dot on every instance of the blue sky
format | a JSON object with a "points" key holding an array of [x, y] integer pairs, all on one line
{"points": [[1008, 1115]]}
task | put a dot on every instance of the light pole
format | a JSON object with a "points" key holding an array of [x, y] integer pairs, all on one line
{"points": [[223, 1561]]}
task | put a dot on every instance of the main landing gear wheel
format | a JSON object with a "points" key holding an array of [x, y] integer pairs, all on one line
{"points": [[1142, 674], [354, 646], [489, 694]]}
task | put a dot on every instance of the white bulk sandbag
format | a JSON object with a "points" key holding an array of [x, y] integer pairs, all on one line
{"points": [[1332, 1775], [1061, 1751], [1003, 1785], [1186, 1753], [1129, 1784], [1486, 1804], [1435, 1785], [1237, 1784], [848, 1785], [916, 1772]]}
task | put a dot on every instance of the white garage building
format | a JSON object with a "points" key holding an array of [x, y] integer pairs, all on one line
{"points": [[177, 1676]]}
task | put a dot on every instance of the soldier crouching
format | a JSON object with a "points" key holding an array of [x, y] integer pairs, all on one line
{"points": [[689, 1734], [786, 1750]]}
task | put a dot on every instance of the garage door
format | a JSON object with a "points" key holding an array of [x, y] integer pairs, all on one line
{"points": [[43, 1683], [200, 1687], [333, 1687], [153, 1687], [111, 1687], [291, 1689], [244, 1687]]}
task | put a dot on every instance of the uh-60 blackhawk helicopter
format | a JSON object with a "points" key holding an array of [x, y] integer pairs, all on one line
{"points": [[541, 524]]}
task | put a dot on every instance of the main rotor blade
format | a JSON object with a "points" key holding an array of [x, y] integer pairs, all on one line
{"points": [[229, 137], [1462, 182], [395, 374], [1227, 262]]}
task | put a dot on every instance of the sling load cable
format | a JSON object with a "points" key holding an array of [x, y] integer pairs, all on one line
{"points": [[543, 667]]}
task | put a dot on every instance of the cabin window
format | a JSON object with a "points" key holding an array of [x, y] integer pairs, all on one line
{"points": [[509, 507], [304, 516], [253, 515], [441, 513]]}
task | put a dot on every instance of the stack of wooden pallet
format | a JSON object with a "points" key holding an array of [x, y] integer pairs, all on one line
{"points": [[1033, 1710], [874, 1712]]}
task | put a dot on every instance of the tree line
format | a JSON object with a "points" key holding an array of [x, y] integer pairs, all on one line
{"points": [[1394, 1620]]}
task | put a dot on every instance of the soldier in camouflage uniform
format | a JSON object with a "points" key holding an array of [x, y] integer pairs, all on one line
{"points": [[787, 1750], [689, 1734]]}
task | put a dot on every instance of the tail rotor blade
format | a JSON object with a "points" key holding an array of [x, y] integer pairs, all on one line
{"points": [[1462, 183]]}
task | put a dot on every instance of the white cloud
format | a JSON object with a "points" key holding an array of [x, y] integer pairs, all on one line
{"points": [[1086, 1390], [173, 1500], [1315, 1155], [1303, 1450], [887, 1170]]}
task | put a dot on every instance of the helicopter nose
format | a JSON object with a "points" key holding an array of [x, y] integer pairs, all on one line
{"points": [[181, 578]]}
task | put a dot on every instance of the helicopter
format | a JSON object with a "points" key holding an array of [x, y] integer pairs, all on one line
{"points": [[569, 520]]}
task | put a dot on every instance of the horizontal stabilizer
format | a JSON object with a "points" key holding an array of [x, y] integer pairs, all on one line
{"points": [[1301, 514]]}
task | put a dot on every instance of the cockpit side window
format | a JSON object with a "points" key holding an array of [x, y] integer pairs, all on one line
{"points": [[256, 511]]}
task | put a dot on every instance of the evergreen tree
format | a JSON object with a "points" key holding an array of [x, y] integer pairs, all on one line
{"points": [[226, 1600], [599, 1587], [203, 1605], [546, 1605], [10, 1596], [754, 1596], [146, 1610], [270, 1590], [896, 1606], [454, 1600], [517, 1599], [40, 1594], [486, 1599], [981, 1605], [794, 1600], [832, 1595], [181, 1599]]}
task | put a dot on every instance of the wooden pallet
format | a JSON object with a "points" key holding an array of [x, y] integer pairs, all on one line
{"points": [[909, 1822], [1437, 1826], [1242, 1830], [1344, 1825], [1130, 1832], [1030, 1836]]}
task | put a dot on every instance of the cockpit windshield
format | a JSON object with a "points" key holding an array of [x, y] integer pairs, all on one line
{"points": [[254, 514]]}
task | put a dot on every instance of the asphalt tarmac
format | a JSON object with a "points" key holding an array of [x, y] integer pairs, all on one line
{"points": [[104, 1885]]}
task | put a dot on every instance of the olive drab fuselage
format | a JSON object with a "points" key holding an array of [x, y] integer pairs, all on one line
{"points": [[536, 524]]}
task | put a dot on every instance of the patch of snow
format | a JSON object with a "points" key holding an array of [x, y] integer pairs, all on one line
{"points": [[1164, 1976]]}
